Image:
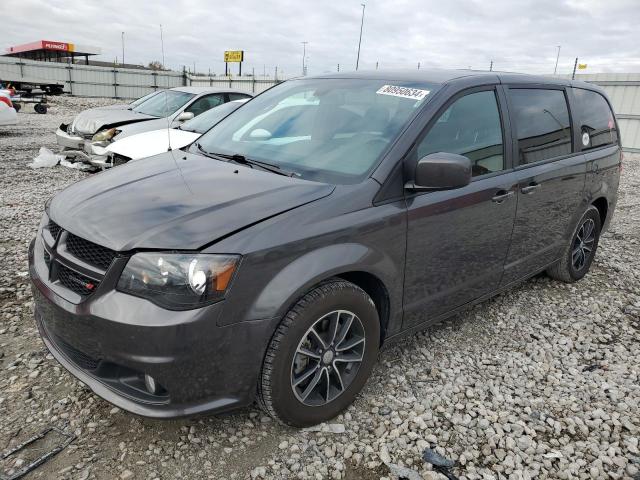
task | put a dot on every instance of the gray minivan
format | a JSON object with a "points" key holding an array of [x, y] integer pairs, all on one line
{"points": [[328, 216]]}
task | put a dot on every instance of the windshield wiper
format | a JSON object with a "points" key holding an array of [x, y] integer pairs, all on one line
{"points": [[203, 151], [236, 157]]}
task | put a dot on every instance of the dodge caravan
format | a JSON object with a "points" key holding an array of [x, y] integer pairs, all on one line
{"points": [[271, 259]]}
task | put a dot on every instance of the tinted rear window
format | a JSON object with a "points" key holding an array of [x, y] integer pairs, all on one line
{"points": [[542, 124], [597, 126]]}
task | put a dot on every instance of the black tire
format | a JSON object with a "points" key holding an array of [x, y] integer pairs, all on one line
{"points": [[566, 270], [40, 108], [276, 385], [17, 107]]}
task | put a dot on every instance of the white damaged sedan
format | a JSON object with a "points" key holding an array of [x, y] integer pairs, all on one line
{"points": [[92, 131], [147, 144]]}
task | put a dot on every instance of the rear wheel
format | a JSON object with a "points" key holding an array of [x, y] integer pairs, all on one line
{"points": [[321, 355], [578, 255]]}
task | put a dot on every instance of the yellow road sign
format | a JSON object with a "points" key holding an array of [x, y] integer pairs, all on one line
{"points": [[233, 56], [582, 66]]}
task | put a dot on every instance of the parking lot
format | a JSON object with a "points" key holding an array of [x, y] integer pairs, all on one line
{"points": [[540, 382]]}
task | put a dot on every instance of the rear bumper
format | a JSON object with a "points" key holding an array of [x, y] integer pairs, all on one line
{"points": [[109, 342]]}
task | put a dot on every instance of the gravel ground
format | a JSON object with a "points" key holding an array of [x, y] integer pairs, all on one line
{"points": [[540, 382]]}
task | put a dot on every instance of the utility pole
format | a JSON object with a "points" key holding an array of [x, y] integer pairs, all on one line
{"points": [[418, 65], [376, 65], [122, 48], [555, 69], [575, 65], [304, 54], [338, 67], [275, 76], [491, 66], [360, 41]]}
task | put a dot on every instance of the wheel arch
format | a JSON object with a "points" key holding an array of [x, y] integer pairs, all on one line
{"points": [[377, 290], [372, 271], [602, 204]]}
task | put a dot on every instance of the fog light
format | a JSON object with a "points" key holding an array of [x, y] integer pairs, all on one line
{"points": [[151, 384]]}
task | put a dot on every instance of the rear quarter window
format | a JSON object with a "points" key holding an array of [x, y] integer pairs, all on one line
{"points": [[597, 124]]}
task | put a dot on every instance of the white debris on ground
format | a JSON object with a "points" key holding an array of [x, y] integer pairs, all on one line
{"points": [[46, 158], [540, 382]]}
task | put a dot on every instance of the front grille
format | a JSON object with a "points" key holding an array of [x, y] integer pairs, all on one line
{"points": [[54, 229], [76, 356], [89, 252], [75, 281], [47, 259]]}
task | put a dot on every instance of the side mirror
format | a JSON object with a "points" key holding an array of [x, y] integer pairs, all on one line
{"points": [[184, 116], [260, 134], [441, 171]]}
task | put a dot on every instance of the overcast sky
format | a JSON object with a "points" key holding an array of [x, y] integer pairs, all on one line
{"points": [[518, 35]]}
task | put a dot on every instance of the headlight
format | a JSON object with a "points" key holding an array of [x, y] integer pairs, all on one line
{"points": [[104, 135], [178, 281]]}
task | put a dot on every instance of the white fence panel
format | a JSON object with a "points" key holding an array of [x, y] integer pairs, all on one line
{"points": [[247, 84]]}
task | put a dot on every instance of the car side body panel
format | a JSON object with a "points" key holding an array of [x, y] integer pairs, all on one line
{"points": [[603, 178], [285, 256]]}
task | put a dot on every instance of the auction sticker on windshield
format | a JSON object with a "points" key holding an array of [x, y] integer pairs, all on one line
{"points": [[404, 92]]}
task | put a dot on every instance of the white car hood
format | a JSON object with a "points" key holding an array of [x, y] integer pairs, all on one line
{"points": [[147, 144], [91, 120]]}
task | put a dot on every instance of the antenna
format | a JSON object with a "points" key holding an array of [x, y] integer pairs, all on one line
{"points": [[166, 108], [166, 105]]}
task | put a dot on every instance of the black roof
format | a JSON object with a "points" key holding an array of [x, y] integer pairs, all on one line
{"points": [[442, 76]]}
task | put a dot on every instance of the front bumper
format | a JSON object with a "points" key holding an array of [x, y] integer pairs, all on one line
{"points": [[110, 340], [81, 148], [66, 140], [96, 154]]}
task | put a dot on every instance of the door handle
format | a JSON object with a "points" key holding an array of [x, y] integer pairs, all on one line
{"points": [[502, 195], [532, 187]]}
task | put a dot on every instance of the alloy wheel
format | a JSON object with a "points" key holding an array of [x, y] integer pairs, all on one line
{"points": [[583, 243], [328, 358]]}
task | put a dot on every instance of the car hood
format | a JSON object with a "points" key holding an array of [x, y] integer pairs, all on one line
{"points": [[140, 127], [117, 106], [152, 143], [94, 119], [184, 201]]}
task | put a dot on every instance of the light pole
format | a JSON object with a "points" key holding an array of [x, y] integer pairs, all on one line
{"points": [[304, 54], [360, 40], [557, 58], [122, 48]]}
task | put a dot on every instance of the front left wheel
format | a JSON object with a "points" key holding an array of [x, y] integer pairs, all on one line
{"points": [[320, 355]]}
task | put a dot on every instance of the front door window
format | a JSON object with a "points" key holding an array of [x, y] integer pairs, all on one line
{"points": [[471, 127]]}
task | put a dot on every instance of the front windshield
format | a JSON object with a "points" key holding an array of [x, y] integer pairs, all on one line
{"points": [[327, 130], [164, 104], [208, 119], [142, 99]]}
